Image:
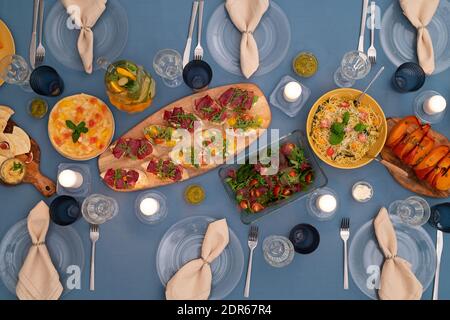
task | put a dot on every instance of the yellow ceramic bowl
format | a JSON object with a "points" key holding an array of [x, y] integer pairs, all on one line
{"points": [[376, 148], [7, 46]]}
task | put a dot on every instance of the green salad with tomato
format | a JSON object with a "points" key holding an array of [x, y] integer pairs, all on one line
{"points": [[256, 191]]}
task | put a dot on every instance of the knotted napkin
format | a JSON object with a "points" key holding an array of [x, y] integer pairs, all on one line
{"points": [[193, 280], [38, 278], [420, 13], [246, 15], [397, 281], [85, 14]]}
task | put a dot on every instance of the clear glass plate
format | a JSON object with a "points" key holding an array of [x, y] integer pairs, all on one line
{"points": [[273, 36], [366, 259], [398, 36], [63, 243], [320, 179], [110, 35], [182, 243]]}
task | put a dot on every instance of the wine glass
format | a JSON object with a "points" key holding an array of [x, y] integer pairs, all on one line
{"points": [[414, 211], [355, 65], [168, 65], [15, 70], [98, 209]]}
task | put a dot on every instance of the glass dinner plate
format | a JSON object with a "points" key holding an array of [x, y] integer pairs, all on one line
{"points": [[63, 243], [182, 243], [366, 259], [398, 36], [110, 35], [273, 36]]}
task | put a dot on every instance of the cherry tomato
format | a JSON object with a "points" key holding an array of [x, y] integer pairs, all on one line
{"points": [[257, 193], [287, 148], [158, 141], [243, 204], [276, 191], [286, 192], [253, 182], [257, 207], [330, 151], [292, 173], [308, 178], [345, 104]]}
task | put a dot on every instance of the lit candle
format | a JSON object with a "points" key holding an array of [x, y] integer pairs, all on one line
{"points": [[326, 203], [149, 206], [292, 91], [434, 105], [70, 179]]}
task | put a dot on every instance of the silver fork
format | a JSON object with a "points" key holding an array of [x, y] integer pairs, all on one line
{"points": [[252, 243], [94, 234], [198, 52], [345, 234], [40, 51], [372, 52]]}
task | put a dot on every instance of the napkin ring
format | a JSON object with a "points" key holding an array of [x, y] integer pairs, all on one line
{"points": [[37, 244], [391, 257], [205, 261], [248, 32]]}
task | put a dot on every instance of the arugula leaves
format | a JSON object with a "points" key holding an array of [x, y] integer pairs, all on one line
{"points": [[77, 129]]}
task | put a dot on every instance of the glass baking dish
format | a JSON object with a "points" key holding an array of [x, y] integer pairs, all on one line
{"points": [[320, 180]]}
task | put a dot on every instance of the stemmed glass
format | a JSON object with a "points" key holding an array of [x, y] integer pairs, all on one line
{"points": [[168, 65], [355, 65], [414, 211], [14, 70]]}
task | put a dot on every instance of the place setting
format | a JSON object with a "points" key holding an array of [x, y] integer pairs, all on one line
{"points": [[206, 179]]}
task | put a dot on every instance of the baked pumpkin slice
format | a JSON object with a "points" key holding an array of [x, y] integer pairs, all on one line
{"points": [[430, 161], [419, 152], [410, 141], [400, 130], [439, 177]]}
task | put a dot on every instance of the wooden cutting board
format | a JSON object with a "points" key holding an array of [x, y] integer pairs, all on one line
{"points": [[33, 174], [411, 182], [108, 161]]}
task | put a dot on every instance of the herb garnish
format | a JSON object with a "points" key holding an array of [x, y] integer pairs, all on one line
{"points": [[77, 129], [338, 130], [17, 166]]}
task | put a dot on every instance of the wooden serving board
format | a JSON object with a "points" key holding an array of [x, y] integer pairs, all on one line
{"points": [[33, 174], [108, 161], [411, 182]]}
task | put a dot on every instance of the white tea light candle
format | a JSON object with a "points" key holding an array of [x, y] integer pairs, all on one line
{"points": [[434, 105], [326, 203], [149, 206], [70, 179], [292, 91]]}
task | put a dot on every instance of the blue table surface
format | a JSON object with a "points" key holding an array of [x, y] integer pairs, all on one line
{"points": [[125, 267]]}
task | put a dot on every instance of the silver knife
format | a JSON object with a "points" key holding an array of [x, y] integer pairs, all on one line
{"points": [[33, 34], [187, 49], [439, 247], [363, 25]]}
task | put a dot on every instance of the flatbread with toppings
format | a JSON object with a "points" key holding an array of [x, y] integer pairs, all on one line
{"points": [[80, 127]]}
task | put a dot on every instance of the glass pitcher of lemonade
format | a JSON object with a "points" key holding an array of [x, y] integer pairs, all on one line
{"points": [[129, 86]]}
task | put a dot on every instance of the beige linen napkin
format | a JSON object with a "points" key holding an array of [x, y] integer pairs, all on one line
{"points": [[193, 280], [85, 13], [420, 13], [397, 281], [38, 278], [246, 15]]}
